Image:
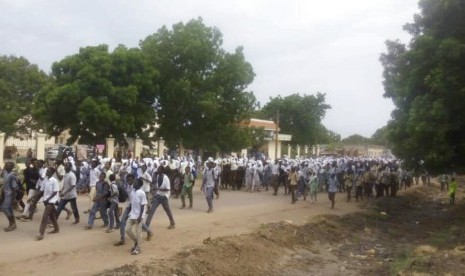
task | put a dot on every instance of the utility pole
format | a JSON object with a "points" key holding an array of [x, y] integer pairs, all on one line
{"points": [[276, 138]]}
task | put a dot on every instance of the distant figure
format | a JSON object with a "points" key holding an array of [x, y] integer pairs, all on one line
{"points": [[29, 154], [452, 190]]}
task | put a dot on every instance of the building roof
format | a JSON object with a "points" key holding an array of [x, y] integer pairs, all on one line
{"points": [[266, 124]]}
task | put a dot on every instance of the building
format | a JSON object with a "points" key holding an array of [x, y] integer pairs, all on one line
{"points": [[271, 147]]}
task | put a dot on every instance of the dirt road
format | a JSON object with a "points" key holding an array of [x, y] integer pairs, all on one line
{"points": [[75, 251]]}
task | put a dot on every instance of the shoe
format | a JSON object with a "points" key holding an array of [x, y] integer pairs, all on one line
{"points": [[182, 207], [39, 237], [171, 226], [190, 207], [86, 211], [136, 251], [105, 225], [24, 219], [75, 222], [10, 228], [109, 230], [49, 225], [68, 215], [210, 210], [54, 232], [149, 236], [88, 227], [121, 242]]}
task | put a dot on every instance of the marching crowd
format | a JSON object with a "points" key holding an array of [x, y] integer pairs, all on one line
{"points": [[126, 194]]}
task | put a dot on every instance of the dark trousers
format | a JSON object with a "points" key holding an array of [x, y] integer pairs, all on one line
{"points": [[349, 193], [358, 193], [49, 214], [292, 189], [157, 200], [62, 205]]}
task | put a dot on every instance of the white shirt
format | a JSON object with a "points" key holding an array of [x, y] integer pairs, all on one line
{"points": [[147, 180], [138, 199], [48, 186], [94, 175], [164, 185]]}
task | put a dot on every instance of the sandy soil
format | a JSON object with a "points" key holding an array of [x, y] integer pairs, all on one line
{"points": [[75, 251]]}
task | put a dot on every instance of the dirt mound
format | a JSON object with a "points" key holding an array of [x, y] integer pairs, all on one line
{"points": [[415, 233]]}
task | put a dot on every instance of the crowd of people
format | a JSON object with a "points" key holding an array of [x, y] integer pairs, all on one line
{"points": [[125, 194]]}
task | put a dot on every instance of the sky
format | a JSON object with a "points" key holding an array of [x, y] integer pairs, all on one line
{"points": [[294, 46]]}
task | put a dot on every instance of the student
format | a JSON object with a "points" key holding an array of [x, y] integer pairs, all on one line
{"points": [[100, 202], [125, 216], [113, 210], [188, 183], [332, 189], [10, 187], [161, 194], [293, 179], [49, 192], [208, 184], [452, 190], [313, 183], [136, 210], [69, 193]]}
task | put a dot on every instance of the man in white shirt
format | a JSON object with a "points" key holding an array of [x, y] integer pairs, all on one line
{"points": [[136, 210], [129, 186], [208, 184], [161, 194], [93, 179], [49, 192], [68, 193]]}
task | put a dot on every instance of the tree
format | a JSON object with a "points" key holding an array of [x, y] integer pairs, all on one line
{"points": [[19, 83], [426, 82], [300, 116], [98, 94], [380, 137], [355, 139], [202, 95]]}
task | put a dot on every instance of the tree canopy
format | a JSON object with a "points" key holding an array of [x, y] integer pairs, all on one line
{"points": [[202, 88], [300, 116], [425, 79], [19, 82], [97, 94]]}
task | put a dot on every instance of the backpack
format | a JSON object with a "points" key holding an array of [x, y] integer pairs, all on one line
{"points": [[122, 193]]}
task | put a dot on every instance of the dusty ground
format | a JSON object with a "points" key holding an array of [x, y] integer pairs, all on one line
{"points": [[75, 251], [417, 233]]}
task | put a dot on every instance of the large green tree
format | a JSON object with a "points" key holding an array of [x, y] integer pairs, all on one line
{"points": [[203, 95], [20, 81], [97, 94], [426, 81], [300, 116]]}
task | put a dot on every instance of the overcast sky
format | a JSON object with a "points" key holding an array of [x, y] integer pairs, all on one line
{"points": [[294, 46]]}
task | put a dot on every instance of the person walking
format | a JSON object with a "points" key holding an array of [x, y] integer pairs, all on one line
{"points": [[161, 194], [332, 189], [188, 184], [100, 202], [129, 186], [69, 193], [10, 187], [293, 180], [452, 190], [114, 201], [136, 211], [208, 185], [49, 193]]}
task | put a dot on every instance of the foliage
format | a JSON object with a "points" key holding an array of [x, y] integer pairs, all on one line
{"points": [[380, 137], [300, 116], [355, 139], [98, 94], [425, 80], [19, 82], [202, 95]]}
